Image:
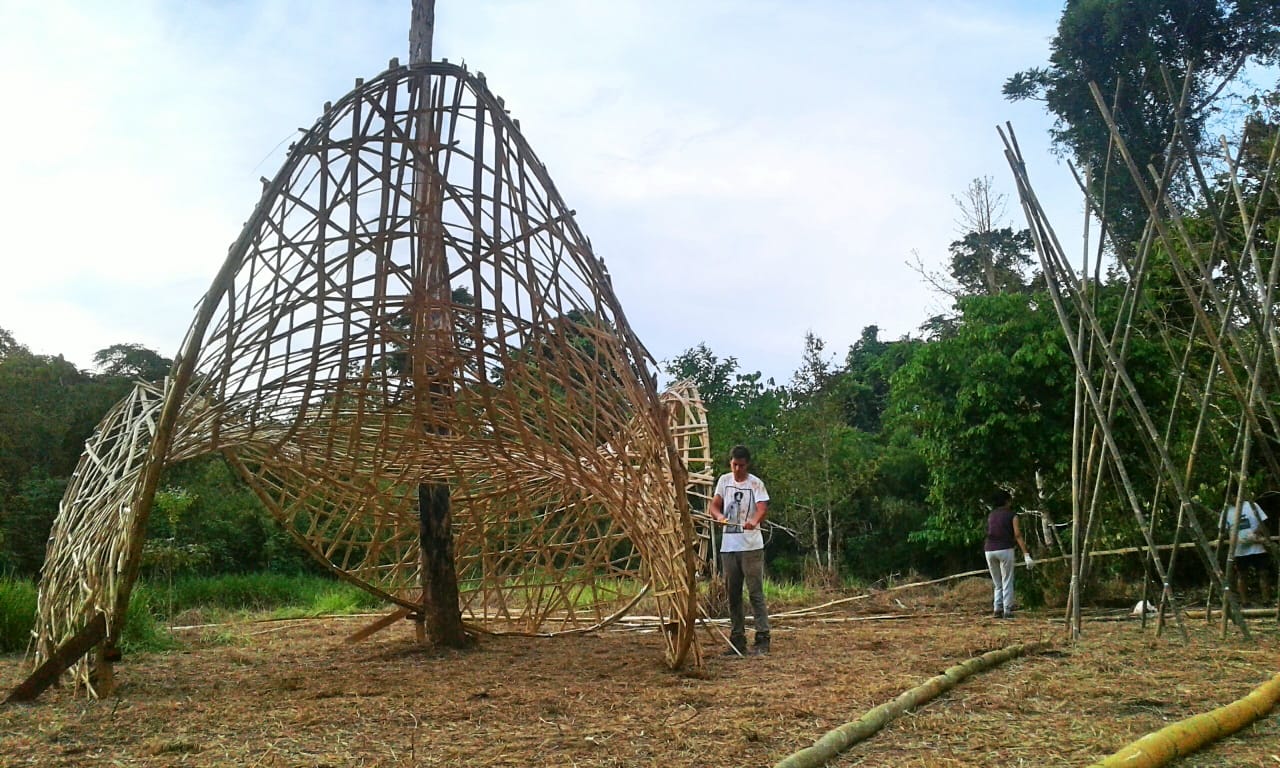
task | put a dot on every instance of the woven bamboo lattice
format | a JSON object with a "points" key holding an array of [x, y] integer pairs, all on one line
{"points": [[1213, 318], [410, 303]]}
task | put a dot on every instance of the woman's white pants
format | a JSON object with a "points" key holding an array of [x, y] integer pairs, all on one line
{"points": [[1000, 563]]}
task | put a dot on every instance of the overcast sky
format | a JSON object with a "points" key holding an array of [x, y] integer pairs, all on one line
{"points": [[793, 151]]}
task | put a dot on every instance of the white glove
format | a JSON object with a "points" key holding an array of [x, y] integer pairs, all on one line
{"points": [[1027, 559]]}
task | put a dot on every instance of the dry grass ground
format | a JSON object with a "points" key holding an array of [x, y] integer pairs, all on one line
{"points": [[293, 694]]}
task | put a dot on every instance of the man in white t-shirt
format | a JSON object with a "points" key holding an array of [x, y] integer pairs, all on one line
{"points": [[740, 504], [1251, 556]]}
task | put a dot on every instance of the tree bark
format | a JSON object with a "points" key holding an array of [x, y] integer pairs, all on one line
{"points": [[422, 24], [440, 612], [433, 345]]}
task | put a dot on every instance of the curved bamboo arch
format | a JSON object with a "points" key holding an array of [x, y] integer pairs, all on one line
{"points": [[412, 302]]}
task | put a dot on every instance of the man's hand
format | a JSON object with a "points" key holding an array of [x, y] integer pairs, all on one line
{"points": [[750, 525], [1026, 558]]}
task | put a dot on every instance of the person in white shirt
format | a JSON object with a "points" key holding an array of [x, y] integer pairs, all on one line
{"points": [[740, 504], [1251, 556]]}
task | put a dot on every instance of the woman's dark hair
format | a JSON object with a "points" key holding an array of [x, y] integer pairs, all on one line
{"points": [[1000, 497], [740, 452]]}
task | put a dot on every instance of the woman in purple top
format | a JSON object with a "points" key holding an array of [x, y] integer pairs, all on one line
{"points": [[1002, 533]]}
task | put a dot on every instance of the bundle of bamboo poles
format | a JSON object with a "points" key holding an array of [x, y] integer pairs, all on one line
{"points": [[1224, 351]]}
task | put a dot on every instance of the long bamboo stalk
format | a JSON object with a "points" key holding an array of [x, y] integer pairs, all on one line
{"points": [[1186, 736], [840, 739]]}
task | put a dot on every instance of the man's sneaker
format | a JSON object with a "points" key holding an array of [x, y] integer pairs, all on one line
{"points": [[736, 650], [997, 614], [760, 649]]}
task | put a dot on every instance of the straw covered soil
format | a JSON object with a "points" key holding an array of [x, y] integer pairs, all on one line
{"points": [[294, 694]]}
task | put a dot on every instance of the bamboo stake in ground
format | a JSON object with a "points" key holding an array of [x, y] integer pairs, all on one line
{"points": [[840, 739]]}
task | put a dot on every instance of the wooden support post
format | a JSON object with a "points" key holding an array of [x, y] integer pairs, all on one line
{"points": [[60, 660], [422, 24], [378, 625], [440, 619], [104, 669], [440, 610]]}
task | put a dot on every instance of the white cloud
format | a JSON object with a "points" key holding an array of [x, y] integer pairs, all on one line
{"points": [[803, 149]]}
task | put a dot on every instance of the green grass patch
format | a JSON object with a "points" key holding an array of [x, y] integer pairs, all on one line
{"points": [[275, 594], [143, 629], [17, 614], [152, 606], [786, 592], [331, 599], [853, 584]]}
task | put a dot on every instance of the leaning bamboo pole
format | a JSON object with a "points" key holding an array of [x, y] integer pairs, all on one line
{"points": [[1051, 256], [1239, 353], [840, 739], [1186, 736]]}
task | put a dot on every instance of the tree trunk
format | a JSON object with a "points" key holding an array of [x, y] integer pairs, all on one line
{"points": [[831, 542], [432, 349], [440, 612], [817, 540]]}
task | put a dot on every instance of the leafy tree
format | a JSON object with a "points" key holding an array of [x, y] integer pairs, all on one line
{"points": [[40, 397], [225, 519], [742, 408], [166, 556], [1122, 46], [27, 516], [862, 388], [818, 462], [48, 408], [989, 258], [8, 344], [991, 262], [713, 377], [894, 503], [990, 404], [132, 361]]}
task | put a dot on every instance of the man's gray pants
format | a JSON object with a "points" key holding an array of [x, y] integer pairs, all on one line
{"points": [[746, 567]]}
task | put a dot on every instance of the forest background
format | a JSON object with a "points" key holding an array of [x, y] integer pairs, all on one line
{"points": [[877, 458]]}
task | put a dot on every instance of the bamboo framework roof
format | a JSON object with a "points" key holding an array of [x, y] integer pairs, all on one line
{"points": [[411, 302], [1206, 298]]}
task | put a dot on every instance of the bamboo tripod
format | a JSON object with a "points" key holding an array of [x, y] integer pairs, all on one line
{"points": [[356, 348], [1225, 352]]}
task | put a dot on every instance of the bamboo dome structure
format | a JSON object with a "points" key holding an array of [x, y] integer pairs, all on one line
{"points": [[411, 310]]}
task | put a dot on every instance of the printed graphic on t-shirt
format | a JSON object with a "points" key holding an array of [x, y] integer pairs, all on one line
{"points": [[1246, 520], [736, 507]]}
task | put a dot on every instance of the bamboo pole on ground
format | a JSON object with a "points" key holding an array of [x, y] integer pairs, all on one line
{"points": [[1186, 736], [840, 739]]}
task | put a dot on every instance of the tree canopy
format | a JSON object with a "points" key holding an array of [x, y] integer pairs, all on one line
{"points": [[132, 361], [1126, 48]]}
